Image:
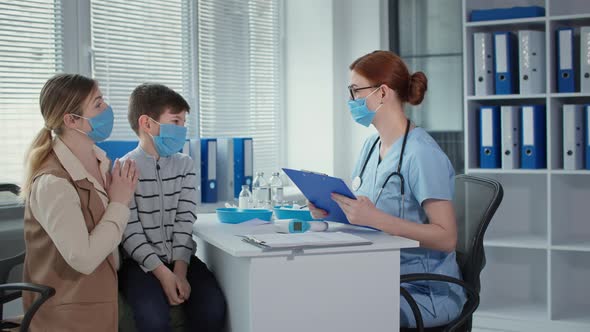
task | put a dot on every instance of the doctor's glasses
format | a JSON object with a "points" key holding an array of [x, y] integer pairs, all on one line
{"points": [[353, 90]]}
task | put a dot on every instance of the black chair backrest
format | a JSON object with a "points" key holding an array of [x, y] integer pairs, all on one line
{"points": [[11, 245], [12, 242], [476, 200]]}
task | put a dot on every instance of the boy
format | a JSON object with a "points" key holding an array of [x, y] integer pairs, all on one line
{"points": [[161, 268]]}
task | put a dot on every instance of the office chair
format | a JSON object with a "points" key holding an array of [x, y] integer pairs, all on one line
{"points": [[12, 291], [476, 200]]}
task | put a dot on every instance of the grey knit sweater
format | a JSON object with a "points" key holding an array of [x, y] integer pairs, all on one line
{"points": [[163, 211]]}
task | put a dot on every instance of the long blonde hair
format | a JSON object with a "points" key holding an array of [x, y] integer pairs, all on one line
{"points": [[62, 94]]}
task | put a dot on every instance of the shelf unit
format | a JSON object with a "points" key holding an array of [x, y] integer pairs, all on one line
{"points": [[538, 243]]}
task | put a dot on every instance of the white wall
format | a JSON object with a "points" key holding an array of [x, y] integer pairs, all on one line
{"points": [[309, 86], [360, 27], [322, 38]]}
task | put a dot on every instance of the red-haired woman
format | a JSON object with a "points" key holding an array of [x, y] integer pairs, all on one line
{"points": [[404, 183]]}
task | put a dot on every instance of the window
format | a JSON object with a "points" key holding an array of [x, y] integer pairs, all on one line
{"points": [[428, 38], [31, 51], [135, 42], [239, 52], [228, 66]]}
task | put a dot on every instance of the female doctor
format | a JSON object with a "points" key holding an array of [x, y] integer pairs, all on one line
{"points": [[404, 183]]}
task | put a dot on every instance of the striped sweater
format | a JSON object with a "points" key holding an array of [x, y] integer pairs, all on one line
{"points": [[163, 211]]}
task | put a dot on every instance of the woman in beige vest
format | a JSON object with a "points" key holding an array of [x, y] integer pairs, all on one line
{"points": [[76, 210]]}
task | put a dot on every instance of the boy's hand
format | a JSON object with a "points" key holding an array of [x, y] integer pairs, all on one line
{"points": [[168, 280], [123, 181], [183, 287]]}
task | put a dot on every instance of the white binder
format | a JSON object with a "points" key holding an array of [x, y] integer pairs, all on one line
{"points": [[510, 120], [573, 136], [483, 70], [531, 61], [585, 59]]}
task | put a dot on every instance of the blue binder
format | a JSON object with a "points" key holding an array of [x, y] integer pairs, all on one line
{"points": [[534, 140], [317, 188], [208, 170], [587, 134], [117, 149], [490, 144], [565, 60], [506, 13], [243, 163], [505, 63]]}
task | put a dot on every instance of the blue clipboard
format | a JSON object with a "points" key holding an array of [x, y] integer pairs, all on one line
{"points": [[317, 188]]}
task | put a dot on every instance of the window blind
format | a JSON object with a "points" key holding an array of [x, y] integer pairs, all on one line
{"points": [[31, 51], [239, 56], [135, 42]]}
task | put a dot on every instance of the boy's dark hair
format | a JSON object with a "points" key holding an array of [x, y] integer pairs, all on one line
{"points": [[153, 100]]}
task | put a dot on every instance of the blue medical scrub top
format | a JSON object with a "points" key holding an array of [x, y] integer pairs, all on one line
{"points": [[428, 174]]}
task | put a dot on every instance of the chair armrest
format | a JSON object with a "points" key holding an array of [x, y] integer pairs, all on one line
{"points": [[472, 295], [5, 298], [414, 307], [13, 188], [45, 293]]}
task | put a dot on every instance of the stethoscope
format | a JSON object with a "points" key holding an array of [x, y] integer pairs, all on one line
{"points": [[358, 181]]}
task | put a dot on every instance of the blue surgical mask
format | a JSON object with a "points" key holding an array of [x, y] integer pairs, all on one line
{"points": [[171, 139], [102, 125], [360, 112]]}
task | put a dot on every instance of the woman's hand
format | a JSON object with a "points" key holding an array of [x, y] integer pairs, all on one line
{"points": [[316, 213], [123, 182], [359, 211]]}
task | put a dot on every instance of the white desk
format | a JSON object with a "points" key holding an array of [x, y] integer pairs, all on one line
{"points": [[340, 289]]}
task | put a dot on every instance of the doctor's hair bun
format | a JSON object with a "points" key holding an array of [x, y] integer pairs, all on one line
{"points": [[417, 88]]}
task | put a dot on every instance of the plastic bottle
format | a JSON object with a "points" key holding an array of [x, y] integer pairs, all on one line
{"points": [[245, 199], [276, 189]]}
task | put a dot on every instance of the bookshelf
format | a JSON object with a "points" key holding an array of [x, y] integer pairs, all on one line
{"points": [[537, 276]]}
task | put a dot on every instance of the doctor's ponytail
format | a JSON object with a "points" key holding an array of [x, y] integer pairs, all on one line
{"points": [[417, 88]]}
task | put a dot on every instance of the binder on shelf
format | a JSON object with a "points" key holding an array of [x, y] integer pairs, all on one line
{"points": [[587, 139], [531, 61], [489, 138], [534, 141], [483, 63], [505, 68], [510, 118], [208, 170], [565, 60], [506, 13], [585, 59], [192, 147], [234, 166], [573, 136]]}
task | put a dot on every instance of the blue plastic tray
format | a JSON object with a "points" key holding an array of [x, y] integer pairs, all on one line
{"points": [[287, 212], [236, 216]]}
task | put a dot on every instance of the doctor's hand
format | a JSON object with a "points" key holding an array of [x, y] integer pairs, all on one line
{"points": [[316, 213], [359, 211]]}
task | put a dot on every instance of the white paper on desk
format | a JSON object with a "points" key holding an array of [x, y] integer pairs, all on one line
{"points": [[255, 222], [311, 239]]}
